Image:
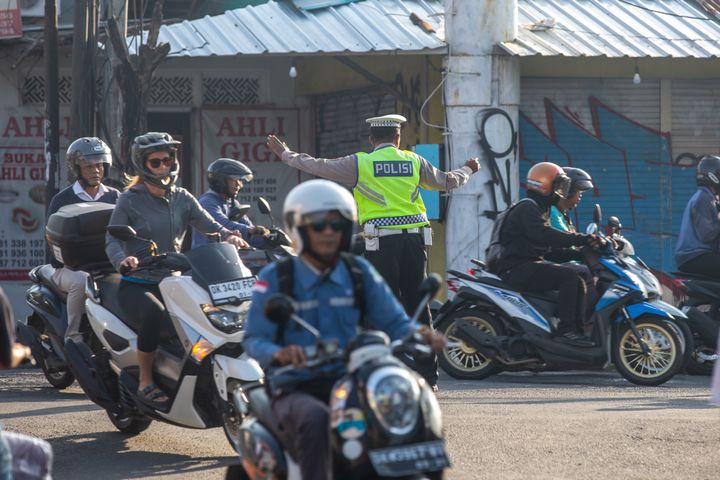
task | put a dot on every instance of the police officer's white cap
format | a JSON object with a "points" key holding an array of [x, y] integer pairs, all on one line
{"points": [[393, 120]]}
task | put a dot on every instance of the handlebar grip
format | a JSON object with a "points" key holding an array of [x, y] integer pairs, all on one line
{"points": [[124, 269]]}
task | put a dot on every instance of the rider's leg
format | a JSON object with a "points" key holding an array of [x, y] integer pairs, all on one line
{"points": [[304, 421], [73, 282], [707, 264]]}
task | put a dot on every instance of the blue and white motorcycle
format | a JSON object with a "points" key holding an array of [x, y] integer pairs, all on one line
{"points": [[497, 327]]}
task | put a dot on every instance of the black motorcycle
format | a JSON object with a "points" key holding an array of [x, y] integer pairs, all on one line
{"points": [[385, 420], [701, 304]]}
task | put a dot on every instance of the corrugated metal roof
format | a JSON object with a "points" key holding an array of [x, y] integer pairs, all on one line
{"points": [[278, 27], [615, 28]]}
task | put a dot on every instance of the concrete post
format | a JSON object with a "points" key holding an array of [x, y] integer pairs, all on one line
{"points": [[478, 78]]}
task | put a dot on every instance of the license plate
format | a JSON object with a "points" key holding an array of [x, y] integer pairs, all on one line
{"points": [[409, 459], [229, 292]]}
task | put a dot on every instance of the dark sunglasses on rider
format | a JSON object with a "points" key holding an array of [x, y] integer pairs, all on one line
{"points": [[156, 162], [336, 224]]}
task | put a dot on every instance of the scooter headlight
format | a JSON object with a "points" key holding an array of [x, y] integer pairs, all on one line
{"points": [[393, 395], [226, 319]]}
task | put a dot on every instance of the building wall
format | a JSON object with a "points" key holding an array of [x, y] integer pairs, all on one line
{"points": [[639, 142]]}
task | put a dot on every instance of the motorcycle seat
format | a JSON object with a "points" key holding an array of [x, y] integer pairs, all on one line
{"points": [[109, 288], [45, 273]]}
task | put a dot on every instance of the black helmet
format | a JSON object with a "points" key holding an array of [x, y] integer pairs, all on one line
{"points": [[580, 180], [708, 172], [144, 145], [87, 151], [224, 168]]}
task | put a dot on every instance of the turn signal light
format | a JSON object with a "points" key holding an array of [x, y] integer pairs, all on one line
{"points": [[201, 349]]}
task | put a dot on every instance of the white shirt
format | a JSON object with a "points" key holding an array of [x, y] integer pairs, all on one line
{"points": [[83, 195]]}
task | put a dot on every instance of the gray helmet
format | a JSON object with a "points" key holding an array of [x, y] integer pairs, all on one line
{"points": [[708, 172], [224, 168], [87, 151], [580, 180], [144, 145]]}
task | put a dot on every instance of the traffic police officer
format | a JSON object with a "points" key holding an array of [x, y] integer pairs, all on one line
{"points": [[386, 184]]}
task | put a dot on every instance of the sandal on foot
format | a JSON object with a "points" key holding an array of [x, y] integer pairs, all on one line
{"points": [[150, 396]]}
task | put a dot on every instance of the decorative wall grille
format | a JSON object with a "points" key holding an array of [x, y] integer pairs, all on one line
{"points": [[231, 91], [171, 91], [33, 90]]}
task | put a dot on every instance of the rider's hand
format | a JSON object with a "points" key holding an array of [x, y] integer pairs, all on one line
{"points": [[434, 339], [473, 164], [276, 146], [595, 242], [258, 230], [130, 262], [291, 354], [235, 239]]}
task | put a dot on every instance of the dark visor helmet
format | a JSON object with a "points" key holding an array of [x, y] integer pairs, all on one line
{"points": [[144, 145]]}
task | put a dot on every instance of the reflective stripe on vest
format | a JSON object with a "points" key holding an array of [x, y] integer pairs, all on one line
{"points": [[387, 191]]}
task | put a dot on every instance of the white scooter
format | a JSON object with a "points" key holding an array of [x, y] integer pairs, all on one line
{"points": [[199, 362]]}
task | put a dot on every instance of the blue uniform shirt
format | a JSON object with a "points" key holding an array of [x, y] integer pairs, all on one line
{"points": [[218, 208], [700, 227], [326, 302]]}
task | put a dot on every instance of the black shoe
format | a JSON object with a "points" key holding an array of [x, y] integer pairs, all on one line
{"points": [[435, 388], [576, 339]]}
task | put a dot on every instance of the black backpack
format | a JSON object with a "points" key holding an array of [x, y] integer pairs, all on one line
{"points": [[285, 272], [494, 251]]}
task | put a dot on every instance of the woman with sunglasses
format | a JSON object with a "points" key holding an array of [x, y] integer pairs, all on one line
{"points": [[161, 211]]}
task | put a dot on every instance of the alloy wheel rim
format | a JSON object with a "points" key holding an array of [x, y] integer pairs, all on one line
{"points": [[463, 356], [658, 361]]}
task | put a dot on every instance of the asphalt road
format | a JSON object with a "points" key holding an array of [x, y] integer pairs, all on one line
{"points": [[513, 426]]}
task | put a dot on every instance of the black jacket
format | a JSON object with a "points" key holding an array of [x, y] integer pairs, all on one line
{"points": [[527, 236]]}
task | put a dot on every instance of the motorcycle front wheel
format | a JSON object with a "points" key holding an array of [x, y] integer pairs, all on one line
{"points": [[129, 423], [660, 364], [59, 378], [463, 361]]}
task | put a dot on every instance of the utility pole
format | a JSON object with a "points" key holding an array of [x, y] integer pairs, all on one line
{"points": [[478, 79], [110, 108], [52, 102], [82, 119]]}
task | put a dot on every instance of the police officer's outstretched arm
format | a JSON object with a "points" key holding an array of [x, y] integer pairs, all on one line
{"points": [[432, 178], [342, 169]]}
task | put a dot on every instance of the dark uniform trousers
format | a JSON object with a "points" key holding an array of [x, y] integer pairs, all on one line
{"points": [[402, 260]]}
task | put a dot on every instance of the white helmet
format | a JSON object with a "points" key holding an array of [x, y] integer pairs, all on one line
{"points": [[316, 196]]}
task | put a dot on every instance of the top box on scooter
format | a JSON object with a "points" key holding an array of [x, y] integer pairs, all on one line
{"points": [[76, 234]]}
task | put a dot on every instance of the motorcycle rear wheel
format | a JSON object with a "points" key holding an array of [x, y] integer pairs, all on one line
{"points": [[128, 423], [59, 378], [660, 365], [464, 362]]}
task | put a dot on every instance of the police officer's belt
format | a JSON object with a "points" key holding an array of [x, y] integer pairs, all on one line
{"points": [[383, 232]]}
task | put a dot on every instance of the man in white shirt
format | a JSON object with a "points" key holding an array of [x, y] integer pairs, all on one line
{"points": [[88, 159]]}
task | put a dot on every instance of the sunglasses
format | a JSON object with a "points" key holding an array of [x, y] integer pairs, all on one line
{"points": [[156, 162], [336, 225]]}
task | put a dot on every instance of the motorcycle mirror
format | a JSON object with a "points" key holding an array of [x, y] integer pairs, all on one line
{"points": [[237, 211], [430, 285], [279, 308], [597, 214], [614, 223], [263, 206], [591, 229], [122, 232]]}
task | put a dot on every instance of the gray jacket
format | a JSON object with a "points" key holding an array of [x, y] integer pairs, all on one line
{"points": [[164, 220]]}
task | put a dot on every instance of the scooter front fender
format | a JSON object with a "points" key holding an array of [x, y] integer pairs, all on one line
{"points": [[645, 308], [243, 368]]}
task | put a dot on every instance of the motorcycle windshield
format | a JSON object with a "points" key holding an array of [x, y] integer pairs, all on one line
{"points": [[217, 268]]}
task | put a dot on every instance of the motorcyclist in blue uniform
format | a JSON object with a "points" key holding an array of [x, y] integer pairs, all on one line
{"points": [[226, 178], [697, 248], [320, 216]]}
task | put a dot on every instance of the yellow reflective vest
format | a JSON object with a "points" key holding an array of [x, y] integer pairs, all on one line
{"points": [[388, 189]]}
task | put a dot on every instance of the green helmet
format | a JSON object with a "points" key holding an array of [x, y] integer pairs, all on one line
{"points": [[144, 145]]}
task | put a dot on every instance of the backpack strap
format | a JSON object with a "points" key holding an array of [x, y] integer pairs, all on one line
{"points": [[285, 272], [357, 276]]}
